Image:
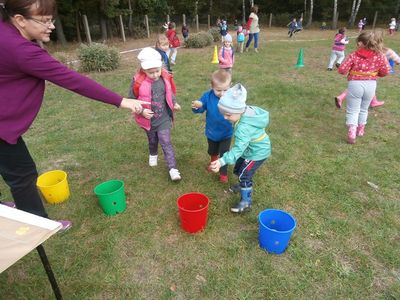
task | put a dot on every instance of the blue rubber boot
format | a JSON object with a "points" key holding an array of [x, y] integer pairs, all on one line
{"points": [[245, 201]]}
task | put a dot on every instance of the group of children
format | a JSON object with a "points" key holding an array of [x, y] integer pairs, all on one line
{"points": [[227, 117], [362, 67]]}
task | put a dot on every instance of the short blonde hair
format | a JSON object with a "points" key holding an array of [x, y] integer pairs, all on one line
{"points": [[372, 40], [161, 40], [220, 77]]}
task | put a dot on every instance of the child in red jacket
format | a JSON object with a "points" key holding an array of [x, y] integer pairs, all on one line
{"points": [[362, 68]]}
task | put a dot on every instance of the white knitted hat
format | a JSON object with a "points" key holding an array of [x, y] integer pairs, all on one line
{"points": [[149, 58]]}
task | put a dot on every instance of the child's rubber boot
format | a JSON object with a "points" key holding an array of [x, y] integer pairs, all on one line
{"points": [[376, 103], [339, 99], [351, 134], [360, 130], [212, 158], [245, 201]]}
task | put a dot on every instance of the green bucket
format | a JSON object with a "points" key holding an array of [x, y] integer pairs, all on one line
{"points": [[111, 196]]}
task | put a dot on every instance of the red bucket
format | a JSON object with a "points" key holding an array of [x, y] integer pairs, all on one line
{"points": [[193, 211]]}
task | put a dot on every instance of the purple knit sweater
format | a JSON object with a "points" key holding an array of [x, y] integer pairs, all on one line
{"points": [[24, 67]]}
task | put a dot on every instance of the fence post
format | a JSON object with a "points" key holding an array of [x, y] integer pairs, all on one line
{"points": [[270, 20], [184, 19], [121, 23], [197, 23], [146, 22], [375, 18], [87, 30], [209, 21]]}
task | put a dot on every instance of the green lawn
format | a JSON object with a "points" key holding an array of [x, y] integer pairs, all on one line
{"points": [[346, 244]]}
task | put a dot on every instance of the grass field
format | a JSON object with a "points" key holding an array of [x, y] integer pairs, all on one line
{"points": [[346, 244]]}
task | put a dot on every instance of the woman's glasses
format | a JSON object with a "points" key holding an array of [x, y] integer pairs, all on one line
{"points": [[47, 23]]}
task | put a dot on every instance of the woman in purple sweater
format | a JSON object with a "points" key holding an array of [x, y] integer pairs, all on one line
{"points": [[24, 68]]}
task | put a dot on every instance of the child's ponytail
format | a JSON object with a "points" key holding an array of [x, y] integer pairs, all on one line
{"points": [[372, 40]]}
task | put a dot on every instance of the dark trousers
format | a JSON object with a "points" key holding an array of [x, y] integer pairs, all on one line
{"points": [[19, 172], [162, 137], [245, 170], [219, 148]]}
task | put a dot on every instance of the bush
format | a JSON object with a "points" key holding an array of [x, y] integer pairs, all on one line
{"points": [[214, 31], [98, 57], [199, 40]]}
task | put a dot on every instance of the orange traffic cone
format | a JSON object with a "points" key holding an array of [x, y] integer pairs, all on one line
{"points": [[215, 56]]}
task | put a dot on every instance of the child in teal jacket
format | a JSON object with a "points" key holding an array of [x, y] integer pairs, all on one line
{"points": [[251, 144]]}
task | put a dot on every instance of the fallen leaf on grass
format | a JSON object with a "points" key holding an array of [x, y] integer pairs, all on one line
{"points": [[200, 278], [373, 185], [173, 288]]}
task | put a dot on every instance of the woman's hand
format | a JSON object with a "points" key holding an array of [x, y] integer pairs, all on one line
{"points": [[134, 105], [177, 107]]}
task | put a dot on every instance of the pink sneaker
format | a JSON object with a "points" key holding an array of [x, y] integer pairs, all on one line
{"points": [[376, 103], [360, 130], [65, 225], [351, 134]]}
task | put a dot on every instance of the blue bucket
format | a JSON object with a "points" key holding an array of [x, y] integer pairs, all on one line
{"points": [[276, 228]]}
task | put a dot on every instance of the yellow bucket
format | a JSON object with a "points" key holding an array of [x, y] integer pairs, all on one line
{"points": [[54, 186]]}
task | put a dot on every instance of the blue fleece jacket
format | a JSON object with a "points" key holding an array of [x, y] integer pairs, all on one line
{"points": [[217, 128]]}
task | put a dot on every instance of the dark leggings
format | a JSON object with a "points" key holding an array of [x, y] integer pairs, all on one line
{"points": [[19, 172], [219, 148]]}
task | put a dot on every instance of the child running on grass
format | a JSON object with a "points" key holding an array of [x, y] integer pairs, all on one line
{"points": [[339, 45], [251, 144], [174, 42], [226, 54], [162, 46], [156, 86], [218, 130], [362, 68]]}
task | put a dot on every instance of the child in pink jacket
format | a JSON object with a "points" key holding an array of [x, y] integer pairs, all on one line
{"points": [[156, 86], [226, 55]]}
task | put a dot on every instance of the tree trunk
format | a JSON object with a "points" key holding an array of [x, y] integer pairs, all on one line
{"points": [[103, 28], [60, 31], [244, 11], [130, 17], [356, 12], [251, 3], [211, 9], [334, 21], [353, 8], [305, 8], [78, 27], [311, 13]]}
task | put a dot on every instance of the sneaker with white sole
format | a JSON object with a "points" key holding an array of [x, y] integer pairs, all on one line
{"points": [[174, 174], [153, 160]]}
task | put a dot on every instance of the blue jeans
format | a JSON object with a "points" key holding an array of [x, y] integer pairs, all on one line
{"points": [[245, 170], [251, 35]]}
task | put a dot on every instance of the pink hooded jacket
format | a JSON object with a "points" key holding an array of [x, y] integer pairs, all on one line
{"points": [[143, 92]]}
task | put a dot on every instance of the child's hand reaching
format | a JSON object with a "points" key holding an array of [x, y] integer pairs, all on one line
{"points": [[215, 166], [177, 107], [147, 113], [196, 104]]}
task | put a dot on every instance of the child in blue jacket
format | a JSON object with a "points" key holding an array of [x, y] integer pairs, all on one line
{"points": [[252, 145], [218, 130]]}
